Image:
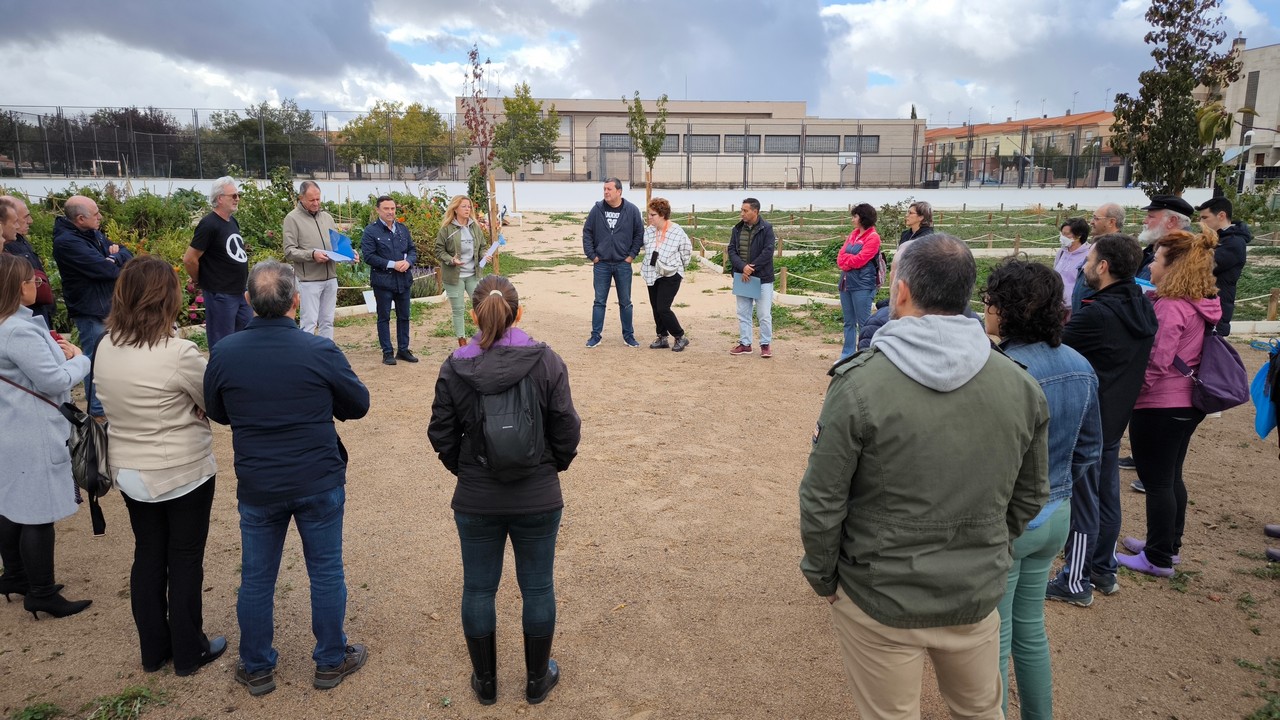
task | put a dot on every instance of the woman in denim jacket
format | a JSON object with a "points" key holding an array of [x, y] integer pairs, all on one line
{"points": [[1026, 314]]}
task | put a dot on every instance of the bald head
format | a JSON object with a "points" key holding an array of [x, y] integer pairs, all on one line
{"points": [[1107, 220], [82, 212]]}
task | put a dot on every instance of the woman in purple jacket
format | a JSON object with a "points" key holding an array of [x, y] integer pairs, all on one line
{"points": [[522, 502], [1163, 417]]}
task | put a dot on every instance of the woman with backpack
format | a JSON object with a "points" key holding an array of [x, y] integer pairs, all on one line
{"points": [[36, 488], [1186, 298], [858, 277], [503, 422], [160, 455]]}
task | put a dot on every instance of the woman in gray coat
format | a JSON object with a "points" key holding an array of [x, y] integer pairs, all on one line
{"points": [[36, 488]]}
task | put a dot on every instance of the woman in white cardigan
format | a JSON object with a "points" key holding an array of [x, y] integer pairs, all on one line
{"points": [[667, 251], [160, 454], [36, 488]]}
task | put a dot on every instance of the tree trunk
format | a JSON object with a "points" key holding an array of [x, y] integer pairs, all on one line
{"points": [[495, 227], [513, 193], [648, 190]]}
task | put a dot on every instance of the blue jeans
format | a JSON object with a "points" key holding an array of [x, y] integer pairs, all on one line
{"points": [[385, 298], [224, 313], [262, 531], [533, 541], [91, 330], [1022, 615], [856, 306], [764, 314], [619, 273]]}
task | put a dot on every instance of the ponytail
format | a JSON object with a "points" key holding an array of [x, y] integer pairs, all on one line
{"points": [[496, 303]]}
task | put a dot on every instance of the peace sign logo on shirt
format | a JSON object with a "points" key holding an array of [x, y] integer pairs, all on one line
{"points": [[235, 248]]}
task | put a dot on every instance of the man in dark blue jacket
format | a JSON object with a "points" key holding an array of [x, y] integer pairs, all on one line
{"points": [[280, 390], [1229, 256], [750, 252], [89, 264], [390, 253], [611, 237]]}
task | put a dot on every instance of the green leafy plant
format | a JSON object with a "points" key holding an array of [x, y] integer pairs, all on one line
{"points": [[39, 711], [128, 704]]}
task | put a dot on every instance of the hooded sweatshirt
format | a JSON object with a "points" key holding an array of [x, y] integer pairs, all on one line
{"points": [[916, 345], [471, 371], [1181, 334], [1228, 263]]}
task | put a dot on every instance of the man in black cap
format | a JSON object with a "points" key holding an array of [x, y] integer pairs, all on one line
{"points": [[1229, 256], [1165, 214]]}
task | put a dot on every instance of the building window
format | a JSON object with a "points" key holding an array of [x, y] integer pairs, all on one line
{"points": [[615, 141], [782, 144], [702, 144], [822, 144], [537, 168], [733, 144], [671, 144], [865, 144], [565, 163], [566, 126]]}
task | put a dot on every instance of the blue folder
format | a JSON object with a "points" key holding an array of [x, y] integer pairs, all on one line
{"points": [[342, 250]]}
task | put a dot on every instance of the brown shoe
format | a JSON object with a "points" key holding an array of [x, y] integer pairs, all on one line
{"points": [[740, 349], [328, 678], [462, 342], [259, 683], [765, 352]]}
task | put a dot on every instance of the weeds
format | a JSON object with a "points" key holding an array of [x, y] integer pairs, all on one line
{"points": [[40, 711], [126, 705]]}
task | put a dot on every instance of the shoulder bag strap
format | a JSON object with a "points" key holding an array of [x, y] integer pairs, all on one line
{"points": [[29, 392], [1210, 330]]}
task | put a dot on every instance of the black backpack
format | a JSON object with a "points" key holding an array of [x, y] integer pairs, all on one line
{"points": [[511, 435]]}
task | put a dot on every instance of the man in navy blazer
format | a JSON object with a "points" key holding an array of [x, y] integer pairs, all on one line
{"points": [[389, 251], [280, 389]]}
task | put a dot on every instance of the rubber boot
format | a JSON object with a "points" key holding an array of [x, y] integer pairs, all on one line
{"points": [[484, 667], [543, 672], [37, 556]]}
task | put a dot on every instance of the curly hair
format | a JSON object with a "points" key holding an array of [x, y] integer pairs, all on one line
{"points": [[1188, 259], [1028, 297]]}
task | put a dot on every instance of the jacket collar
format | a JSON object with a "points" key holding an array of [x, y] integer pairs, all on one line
{"points": [[280, 322]]}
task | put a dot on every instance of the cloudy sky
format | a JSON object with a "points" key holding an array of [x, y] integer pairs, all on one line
{"points": [[953, 60]]}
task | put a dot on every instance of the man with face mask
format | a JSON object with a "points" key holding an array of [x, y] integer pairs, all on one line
{"points": [[1073, 236]]}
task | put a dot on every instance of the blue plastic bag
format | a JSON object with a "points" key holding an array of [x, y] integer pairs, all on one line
{"points": [[1264, 419]]}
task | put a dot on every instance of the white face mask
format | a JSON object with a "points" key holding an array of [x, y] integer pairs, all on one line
{"points": [[1065, 241]]}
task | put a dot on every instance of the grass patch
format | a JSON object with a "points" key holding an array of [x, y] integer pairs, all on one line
{"points": [[1270, 670], [567, 217], [444, 328], [39, 711], [128, 704], [1181, 579], [514, 264]]}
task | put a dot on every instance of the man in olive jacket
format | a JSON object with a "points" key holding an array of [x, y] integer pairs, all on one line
{"points": [[928, 460]]}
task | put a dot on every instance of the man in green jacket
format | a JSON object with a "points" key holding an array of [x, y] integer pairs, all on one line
{"points": [[928, 460], [306, 240]]}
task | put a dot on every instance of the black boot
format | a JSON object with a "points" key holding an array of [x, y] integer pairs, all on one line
{"points": [[542, 671], [37, 556], [14, 579], [484, 667]]}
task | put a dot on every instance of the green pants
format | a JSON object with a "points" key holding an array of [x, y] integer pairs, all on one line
{"points": [[458, 293], [1022, 615]]}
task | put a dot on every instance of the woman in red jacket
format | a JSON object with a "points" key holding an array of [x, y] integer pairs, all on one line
{"points": [[858, 281]]}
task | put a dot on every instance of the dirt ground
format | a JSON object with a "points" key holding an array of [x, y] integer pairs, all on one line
{"points": [[678, 583]]}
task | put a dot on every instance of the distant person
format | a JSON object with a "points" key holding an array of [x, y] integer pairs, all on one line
{"points": [[218, 262], [667, 251], [919, 221], [460, 245], [89, 264], [858, 282], [1025, 311], [1165, 213], [1113, 330], [280, 390], [160, 456], [521, 501], [750, 251], [36, 487], [908, 508], [390, 253], [611, 237], [1229, 257], [1073, 248], [45, 305], [306, 237], [1108, 219], [1163, 417]]}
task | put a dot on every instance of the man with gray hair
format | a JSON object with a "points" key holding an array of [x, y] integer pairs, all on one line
{"points": [[218, 263], [1165, 213], [306, 240], [44, 305], [908, 509], [280, 390]]}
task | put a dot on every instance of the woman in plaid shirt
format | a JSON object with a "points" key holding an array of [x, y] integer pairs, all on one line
{"points": [[667, 251]]}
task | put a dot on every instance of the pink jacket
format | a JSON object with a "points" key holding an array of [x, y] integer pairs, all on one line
{"points": [[1181, 333], [870, 240]]}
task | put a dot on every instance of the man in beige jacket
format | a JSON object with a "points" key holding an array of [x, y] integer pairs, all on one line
{"points": [[306, 237]]}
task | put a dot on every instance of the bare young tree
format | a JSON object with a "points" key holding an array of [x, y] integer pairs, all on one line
{"points": [[647, 137]]}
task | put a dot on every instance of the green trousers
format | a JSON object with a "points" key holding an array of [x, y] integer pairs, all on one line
{"points": [[457, 294]]}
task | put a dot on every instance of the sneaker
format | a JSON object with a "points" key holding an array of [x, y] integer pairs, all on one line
{"points": [[682, 342], [259, 683], [1105, 584], [765, 352], [631, 342], [327, 678], [593, 342], [1058, 590], [1135, 546], [740, 349], [660, 344], [407, 356], [1137, 486], [388, 359], [1126, 463]]}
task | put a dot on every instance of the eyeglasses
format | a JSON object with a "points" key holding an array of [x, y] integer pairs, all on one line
{"points": [[233, 196], [37, 281]]}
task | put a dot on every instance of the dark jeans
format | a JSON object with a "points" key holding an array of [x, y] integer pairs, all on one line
{"points": [[167, 581], [1160, 438], [385, 299], [224, 313], [91, 330], [533, 541], [262, 531], [619, 274], [661, 294]]}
